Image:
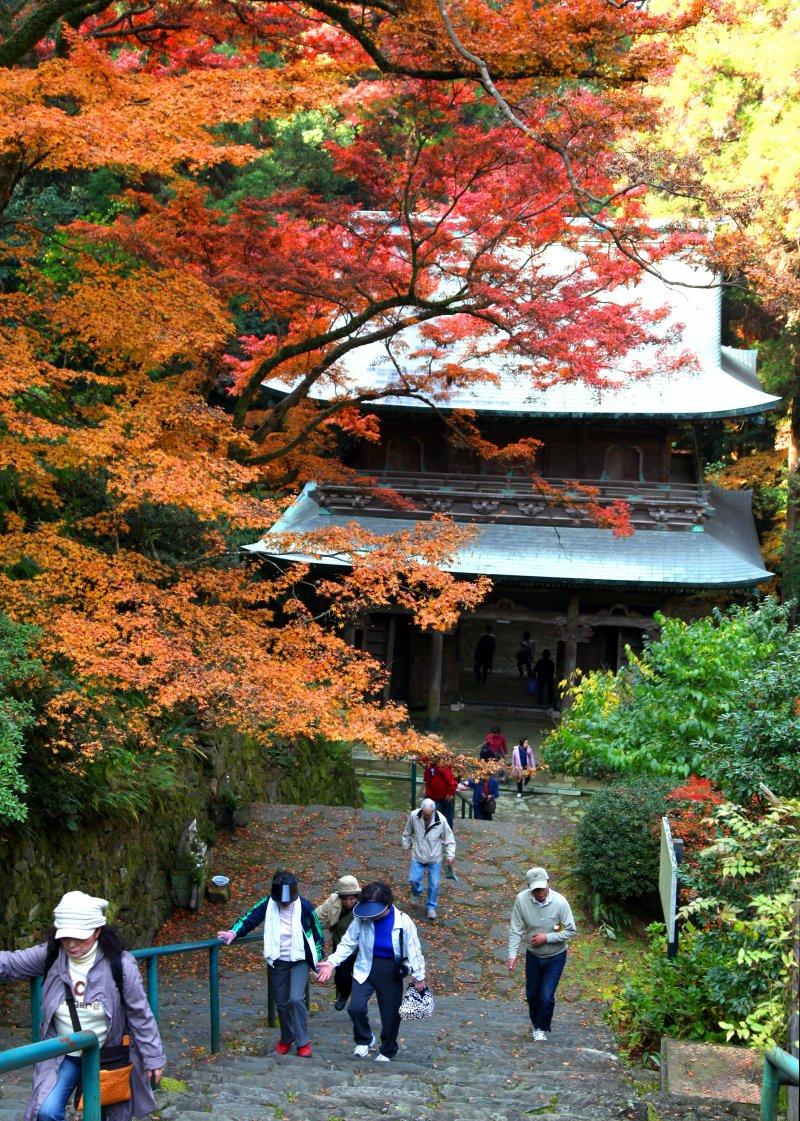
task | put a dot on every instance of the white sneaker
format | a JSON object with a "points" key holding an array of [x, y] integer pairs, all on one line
{"points": [[379, 1058], [519, 795], [362, 1050], [539, 1036], [432, 914]]}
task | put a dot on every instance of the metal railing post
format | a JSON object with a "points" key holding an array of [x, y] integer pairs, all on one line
{"points": [[213, 996], [779, 1068], [37, 984], [152, 985], [413, 784], [90, 1077]]}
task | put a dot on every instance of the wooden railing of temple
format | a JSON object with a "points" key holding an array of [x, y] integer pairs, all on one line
{"points": [[503, 498]]}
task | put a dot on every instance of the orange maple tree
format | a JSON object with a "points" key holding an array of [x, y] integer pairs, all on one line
{"points": [[136, 335]]}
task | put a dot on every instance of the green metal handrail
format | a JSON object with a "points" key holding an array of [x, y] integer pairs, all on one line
{"points": [[151, 954], [780, 1069], [83, 1041]]}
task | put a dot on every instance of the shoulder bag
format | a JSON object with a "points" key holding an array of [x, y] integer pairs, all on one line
{"points": [[115, 1061]]}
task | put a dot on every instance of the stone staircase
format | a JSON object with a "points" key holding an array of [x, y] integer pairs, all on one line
{"points": [[473, 1061]]}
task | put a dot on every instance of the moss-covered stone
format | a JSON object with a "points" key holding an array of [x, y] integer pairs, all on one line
{"points": [[128, 861]]}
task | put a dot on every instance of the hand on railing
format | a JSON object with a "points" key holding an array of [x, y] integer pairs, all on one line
{"points": [[226, 936]]}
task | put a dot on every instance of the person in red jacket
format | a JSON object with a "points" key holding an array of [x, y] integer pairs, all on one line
{"points": [[440, 785], [496, 742]]}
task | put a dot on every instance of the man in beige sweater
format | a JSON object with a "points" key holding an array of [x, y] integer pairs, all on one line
{"points": [[543, 919]]}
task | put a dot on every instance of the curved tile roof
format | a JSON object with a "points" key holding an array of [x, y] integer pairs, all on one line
{"points": [[723, 382], [722, 554]]}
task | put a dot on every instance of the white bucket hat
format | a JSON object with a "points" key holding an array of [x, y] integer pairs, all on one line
{"points": [[78, 915]]}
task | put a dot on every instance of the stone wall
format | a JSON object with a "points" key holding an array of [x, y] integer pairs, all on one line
{"points": [[128, 861]]}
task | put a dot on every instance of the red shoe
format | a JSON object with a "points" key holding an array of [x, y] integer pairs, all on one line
{"points": [[305, 1051], [282, 1048]]}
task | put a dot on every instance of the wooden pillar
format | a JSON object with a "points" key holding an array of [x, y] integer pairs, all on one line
{"points": [[435, 681], [571, 635]]}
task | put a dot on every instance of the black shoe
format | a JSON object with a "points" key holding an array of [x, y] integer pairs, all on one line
{"points": [[340, 1003]]}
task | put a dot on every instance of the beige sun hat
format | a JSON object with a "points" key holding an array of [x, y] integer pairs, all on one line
{"points": [[347, 885]]}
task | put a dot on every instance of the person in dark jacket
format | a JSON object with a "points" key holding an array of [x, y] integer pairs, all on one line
{"points": [[484, 655], [85, 958], [525, 655], [485, 791], [544, 673], [292, 946]]}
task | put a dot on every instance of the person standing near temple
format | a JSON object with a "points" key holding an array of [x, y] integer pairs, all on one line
{"points": [[523, 764], [541, 919], [440, 786], [544, 673], [484, 655], [525, 655], [496, 742]]}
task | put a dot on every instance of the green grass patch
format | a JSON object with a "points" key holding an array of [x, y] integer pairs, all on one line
{"points": [[384, 794]]}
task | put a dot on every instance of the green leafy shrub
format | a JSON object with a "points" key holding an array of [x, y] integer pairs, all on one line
{"points": [[732, 976], [757, 742], [690, 704], [618, 840], [685, 997]]}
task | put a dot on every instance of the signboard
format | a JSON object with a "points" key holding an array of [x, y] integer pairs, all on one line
{"points": [[668, 884]]}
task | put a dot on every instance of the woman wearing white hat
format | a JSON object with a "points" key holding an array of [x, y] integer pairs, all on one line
{"points": [[90, 984]]}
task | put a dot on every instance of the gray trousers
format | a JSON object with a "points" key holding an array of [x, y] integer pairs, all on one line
{"points": [[290, 979]]}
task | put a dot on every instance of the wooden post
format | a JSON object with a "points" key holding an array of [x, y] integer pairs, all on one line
{"points": [[435, 681]]}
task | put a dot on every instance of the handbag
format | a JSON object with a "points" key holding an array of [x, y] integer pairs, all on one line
{"points": [[416, 1006], [115, 1063]]}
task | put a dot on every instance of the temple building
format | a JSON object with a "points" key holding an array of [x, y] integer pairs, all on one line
{"points": [[581, 592]]}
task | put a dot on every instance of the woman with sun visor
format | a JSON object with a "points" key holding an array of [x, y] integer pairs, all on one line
{"points": [[292, 945]]}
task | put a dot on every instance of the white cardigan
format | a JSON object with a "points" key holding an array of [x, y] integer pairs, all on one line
{"points": [[360, 935]]}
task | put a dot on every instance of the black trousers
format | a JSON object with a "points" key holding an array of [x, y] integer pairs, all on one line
{"points": [[389, 991], [446, 809], [343, 977]]}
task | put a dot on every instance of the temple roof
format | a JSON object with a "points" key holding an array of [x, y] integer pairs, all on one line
{"points": [[720, 381], [722, 553]]}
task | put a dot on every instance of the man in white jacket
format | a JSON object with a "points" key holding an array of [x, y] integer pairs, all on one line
{"points": [[429, 837], [388, 949]]}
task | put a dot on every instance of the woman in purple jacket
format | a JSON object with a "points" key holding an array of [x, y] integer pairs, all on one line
{"points": [[85, 955]]}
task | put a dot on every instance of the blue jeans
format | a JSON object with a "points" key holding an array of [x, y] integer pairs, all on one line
{"points": [[54, 1106], [541, 980], [415, 874]]}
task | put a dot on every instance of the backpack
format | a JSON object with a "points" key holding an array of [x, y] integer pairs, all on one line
{"points": [[488, 800]]}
